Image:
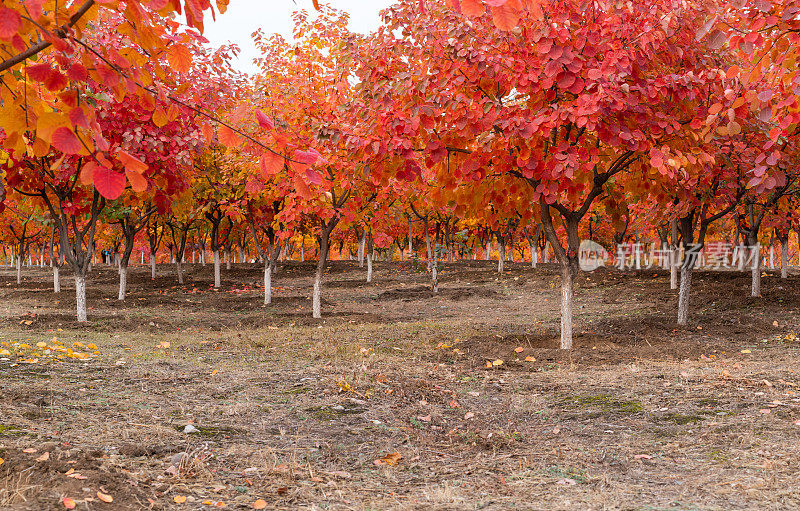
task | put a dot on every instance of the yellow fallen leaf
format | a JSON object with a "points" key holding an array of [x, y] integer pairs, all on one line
{"points": [[519, 349], [215, 371], [164, 344], [745, 351], [530, 359], [29, 450], [44, 457], [488, 364], [179, 499], [105, 497], [92, 346], [259, 504], [497, 362], [392, 459], [2, 461], [41, 344], [68, 503]]}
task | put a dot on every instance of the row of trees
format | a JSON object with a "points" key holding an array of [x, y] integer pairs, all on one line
{"points": [[549, 121]]}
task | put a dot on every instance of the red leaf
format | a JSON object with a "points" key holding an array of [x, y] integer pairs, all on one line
{"points": [[55, 81], [108, 183], [308, 157], [10, 23], [65, 141], [228, 137], [39, 72], [78, 118], [264, 121], [271, 164], [302, 188]]}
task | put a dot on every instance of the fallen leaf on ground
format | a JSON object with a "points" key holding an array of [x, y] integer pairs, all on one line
{"points": [[44, 457], [179, 499], [392, 458], [105, 497], [520, 349], [68, 503], [642, 457], [259, 504], [530, 359]]}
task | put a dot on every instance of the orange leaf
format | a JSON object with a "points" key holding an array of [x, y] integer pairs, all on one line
{"points": [[228, 137], [392, 459], [180, 58], [472, 7], [160, 117], [505, 17], [105, 497], [131, 163], [271, 164], [179, 499], [68, 503], [137, 181], [259, 504]]}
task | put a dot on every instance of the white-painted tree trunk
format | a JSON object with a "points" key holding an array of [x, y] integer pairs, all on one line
{"points": [[217, 263], [227, 259], [80, 297], [56, 279], [267, 281], [369, 266], [123, 282], [684, 293], [501, 256], [361, 249], [785, 258], [19, 269], [567, 300], [152, 265], [755, 272], [546, 255], [771, 257], [410, 241], [179, 267], [302, 254]]}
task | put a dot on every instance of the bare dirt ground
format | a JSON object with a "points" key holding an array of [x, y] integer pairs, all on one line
{"points": [[388, 402]]}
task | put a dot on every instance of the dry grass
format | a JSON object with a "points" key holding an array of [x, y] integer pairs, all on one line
{"points": [[298, 412]]}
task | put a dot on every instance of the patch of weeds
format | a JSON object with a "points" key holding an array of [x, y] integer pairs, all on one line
{"points": [[681, 419], [575, 474], [299, 390], [211, 431], [718, 455], [606, 403], [417, 423], [9, 430], [708, 401], [329, 413]]}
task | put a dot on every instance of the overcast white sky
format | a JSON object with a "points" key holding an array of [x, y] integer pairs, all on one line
{"points": [[245, 16]]}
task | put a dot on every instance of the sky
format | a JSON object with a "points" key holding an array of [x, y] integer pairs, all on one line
{"points": [[243, 17]]}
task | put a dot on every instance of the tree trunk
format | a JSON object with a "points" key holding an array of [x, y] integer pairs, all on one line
{"points": [[567, 300], [152, 265], [755, 271], [501, 254], [80, 296], [785, 257], [410, 240], [674, 255], [227, 259], [684, 293], [179, 268], [19, 269], [362, 249], [546, 255], [217, 263], [267, 282], [56, 279], [316, 299], [123, 281], [369, 266]]}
